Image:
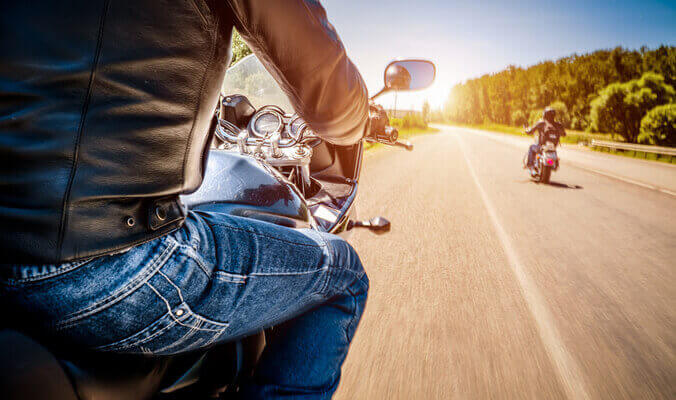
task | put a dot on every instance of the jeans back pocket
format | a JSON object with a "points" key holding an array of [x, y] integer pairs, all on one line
{"points": [[177, 331]]}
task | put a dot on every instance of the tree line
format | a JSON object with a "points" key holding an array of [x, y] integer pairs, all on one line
{"points": [[629, 93]]}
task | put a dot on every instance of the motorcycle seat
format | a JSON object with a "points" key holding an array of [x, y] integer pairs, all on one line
{"points": [[108, 376], [28, 370]]}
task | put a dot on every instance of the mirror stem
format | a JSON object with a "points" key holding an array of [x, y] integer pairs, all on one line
{"points": [[382, 91]]}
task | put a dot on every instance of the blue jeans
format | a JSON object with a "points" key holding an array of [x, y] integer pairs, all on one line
{"points": [[216, 279], [532, 151]]}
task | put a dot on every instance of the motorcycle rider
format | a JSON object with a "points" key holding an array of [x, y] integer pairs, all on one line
{"points": [[105, 113], [545, 127]]}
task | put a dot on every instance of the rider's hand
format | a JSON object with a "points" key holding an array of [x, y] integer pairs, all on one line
{"points": [[379, 119]]}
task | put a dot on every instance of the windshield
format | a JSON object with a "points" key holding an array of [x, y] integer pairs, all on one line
{"points": [[250, 78]]}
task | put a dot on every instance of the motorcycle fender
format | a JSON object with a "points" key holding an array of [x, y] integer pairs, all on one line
{"points": [[554, 159]]}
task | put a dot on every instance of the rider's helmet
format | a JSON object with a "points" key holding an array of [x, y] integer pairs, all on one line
{"points": [[549, 114], [398, 77]]}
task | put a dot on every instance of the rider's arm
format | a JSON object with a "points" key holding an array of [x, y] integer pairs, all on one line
{"points": [[301, 49], [535, 127]]}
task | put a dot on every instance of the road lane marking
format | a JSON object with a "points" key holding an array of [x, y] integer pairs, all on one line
{"points": [[596, 171], [565, 365], [512, 141], [645, 185]]}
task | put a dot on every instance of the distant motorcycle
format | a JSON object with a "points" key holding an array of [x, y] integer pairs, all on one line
{"points": [[546, 160]]}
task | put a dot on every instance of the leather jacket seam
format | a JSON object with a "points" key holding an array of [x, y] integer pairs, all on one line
{"points": [[197, 108], [199, 12], [76, 152]]}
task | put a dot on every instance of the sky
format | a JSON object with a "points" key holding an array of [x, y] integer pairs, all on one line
{"points": [[467, 39]]}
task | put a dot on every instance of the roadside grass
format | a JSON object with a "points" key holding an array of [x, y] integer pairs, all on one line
{"points": [[404, 133], [572, 137], [576, 137]]}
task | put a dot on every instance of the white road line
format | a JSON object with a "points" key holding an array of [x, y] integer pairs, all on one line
{"points": [[623, 179], [645, 185], [505, 139], [565, 365]]}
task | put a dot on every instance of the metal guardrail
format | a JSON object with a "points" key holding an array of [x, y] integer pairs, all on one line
{"points": [[669, 151]]}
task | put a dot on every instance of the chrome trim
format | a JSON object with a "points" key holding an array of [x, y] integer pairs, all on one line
{"points": [[259, 114]]}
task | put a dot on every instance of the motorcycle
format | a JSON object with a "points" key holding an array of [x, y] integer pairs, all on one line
{"points": [[546, 160], [266, 164]]}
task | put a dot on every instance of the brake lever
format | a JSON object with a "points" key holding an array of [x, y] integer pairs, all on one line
{"points": [[404, 143]]}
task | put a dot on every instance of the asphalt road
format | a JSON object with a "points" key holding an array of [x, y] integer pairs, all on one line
{"points": [[490, 286]]}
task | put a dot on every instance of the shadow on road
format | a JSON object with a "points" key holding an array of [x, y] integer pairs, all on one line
{"points": [[564, 186]]}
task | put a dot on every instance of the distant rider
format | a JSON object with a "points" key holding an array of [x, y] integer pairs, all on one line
{"points": [[548, 130]]}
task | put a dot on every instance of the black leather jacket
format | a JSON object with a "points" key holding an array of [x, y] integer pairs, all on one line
{"points": [[548, 131], [105, 108]]}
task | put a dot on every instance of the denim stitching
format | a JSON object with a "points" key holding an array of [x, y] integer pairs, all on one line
{"points": [[288, 273], [265, 236], [63, 268], [353, 311], [188, 311], [228, 277], [118, 295], [195, 242], [215, 337], [327, 280], [150, 332], [195, 256], [180, 294], [203, 320], [179, 342], [197, 343], [206, 321], [354, 314]]}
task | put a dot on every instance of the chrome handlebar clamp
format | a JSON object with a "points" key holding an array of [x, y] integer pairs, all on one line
{"points": [[242, 140]]}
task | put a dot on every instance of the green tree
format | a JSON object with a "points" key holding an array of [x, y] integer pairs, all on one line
{"points": [[534, 116], [561, 113], [575, 81], [658, 127], [620, 107], [519, 118], [239, 47], [426, 111]]}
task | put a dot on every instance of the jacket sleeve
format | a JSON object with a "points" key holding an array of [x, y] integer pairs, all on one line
{"points": [[535, 127], [302, 51]]}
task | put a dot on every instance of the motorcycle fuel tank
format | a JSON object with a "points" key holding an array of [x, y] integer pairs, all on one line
{"points": [[241, 185]]}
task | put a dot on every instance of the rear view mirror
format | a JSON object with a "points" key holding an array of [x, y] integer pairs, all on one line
{"points": [[409, 75]]}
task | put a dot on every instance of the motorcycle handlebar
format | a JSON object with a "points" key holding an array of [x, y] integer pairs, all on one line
{"points": [[389, 137]]}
